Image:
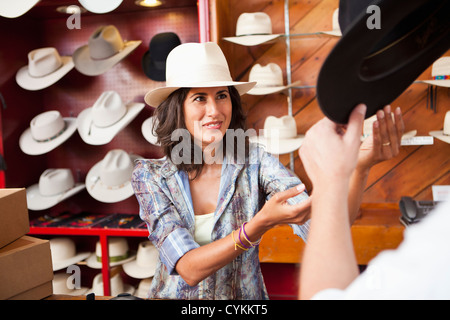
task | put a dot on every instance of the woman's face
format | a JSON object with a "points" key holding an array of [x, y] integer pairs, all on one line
{"points": [[207, 113]]}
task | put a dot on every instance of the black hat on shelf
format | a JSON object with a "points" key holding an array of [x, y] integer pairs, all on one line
{"points": [[375, 65], [154, 60]]}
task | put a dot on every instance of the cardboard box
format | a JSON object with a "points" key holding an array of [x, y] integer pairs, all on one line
{"points": [[26, 269], [14, 220]]}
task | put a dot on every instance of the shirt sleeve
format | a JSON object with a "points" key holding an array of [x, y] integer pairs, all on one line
{"points": [[276, 178], [167, 231]]}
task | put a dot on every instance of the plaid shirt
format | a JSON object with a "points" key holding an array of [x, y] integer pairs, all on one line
{"points": [[166, 206]]}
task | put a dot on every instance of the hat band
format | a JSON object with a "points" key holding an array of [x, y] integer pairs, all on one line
{"points": [[55, 136], [442, 77], [183, 79], [115, 258]]}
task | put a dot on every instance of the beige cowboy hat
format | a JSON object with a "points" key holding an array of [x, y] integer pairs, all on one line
{"points": [[45, 67], [145, 264], [269, 79], [55, 186], [144, 288], [100, 6], [444, 134], [280, 135], [109, 180], [440, 73], [116, 284], [62, 285], [47, 131], [195, 65], [99, 124], [64, 253], [119, 253], [336, 31], [16, 8], [147, 129], [253, 29], [104, 50]]}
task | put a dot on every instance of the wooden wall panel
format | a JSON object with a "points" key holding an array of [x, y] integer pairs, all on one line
{"points": [[411, 173]]}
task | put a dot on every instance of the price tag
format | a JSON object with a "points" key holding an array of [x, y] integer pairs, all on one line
{"points": [[418, 141]]}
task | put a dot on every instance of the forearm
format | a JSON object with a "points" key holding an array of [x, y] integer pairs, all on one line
{"points": [[357, 186], [329, 260]]}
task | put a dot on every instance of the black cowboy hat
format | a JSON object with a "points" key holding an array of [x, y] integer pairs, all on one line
{"points": [[154, 60], [374, 66]]}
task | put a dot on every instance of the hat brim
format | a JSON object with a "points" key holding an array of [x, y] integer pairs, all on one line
{"points": [[36, 201], [15, 9], [92, 261], [438, 83], [440, 135], [26, 81], [32, 147], [135, 271], [260, 91], [157, 96], [90, 67], [279, 146], [100, 6], [252, 40], [58, 265], [103, 193], [335, 33], [147, 131], [93, 135], [353, 74]]}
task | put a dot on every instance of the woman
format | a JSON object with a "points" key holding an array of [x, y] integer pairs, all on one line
{"points": [[205, 203]]}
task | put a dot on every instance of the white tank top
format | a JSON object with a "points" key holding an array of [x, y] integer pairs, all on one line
{"points": [[203, 228]]}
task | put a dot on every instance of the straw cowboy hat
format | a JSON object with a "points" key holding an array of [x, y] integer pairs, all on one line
{"points": [[253, 29], [119, 253], [47, 131], [104, 50], [154, 60], [109, 180], [336, 31], [55, 186], [100, 6], [280, 135], [444, 134], [269, 79], [374, 66], [144, 288], [145, 264], [440, 73], [147, 129], [195, 65], [99, 124], [117, 286], [64, 254], [45, 67], [16, 8], [63, 285]]}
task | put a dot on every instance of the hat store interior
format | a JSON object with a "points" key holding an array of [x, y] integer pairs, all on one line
{"points": [[95, 110]]}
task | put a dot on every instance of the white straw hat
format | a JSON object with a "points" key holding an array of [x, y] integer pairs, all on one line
{"points": [[47, 131], [444, 134], [144, 288], [119, 253], [440, 73], [16, 8], [195, 65], [280, 135], [55, 186], [100, 6], [99, 124], [147, 129], [253, 29], [64, 253], [45, 67], [269, 79], [336, 31], [117, 286], [62, 284], [145, 264], [104, 50]]}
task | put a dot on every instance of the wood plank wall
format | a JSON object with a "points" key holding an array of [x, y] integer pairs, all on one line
{"points": [[412, 173]]}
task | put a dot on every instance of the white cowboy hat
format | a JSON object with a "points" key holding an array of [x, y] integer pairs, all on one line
{"points": [[64, 253], [280, 135], [195, 65], [104, 50], [100, 6], [99, 124], [119, 253], [47, 131], [16, 8], [147, 130], [253, 29], [109, 180], [269, 79], [440, 73], [444, 134], [117, 285], [45, 67], [62, 284], [144, 288], [55, 186], [145, 264], [336, 31]]}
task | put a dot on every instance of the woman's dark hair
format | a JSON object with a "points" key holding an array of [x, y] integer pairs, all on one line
{"points": [[170, 117]]}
